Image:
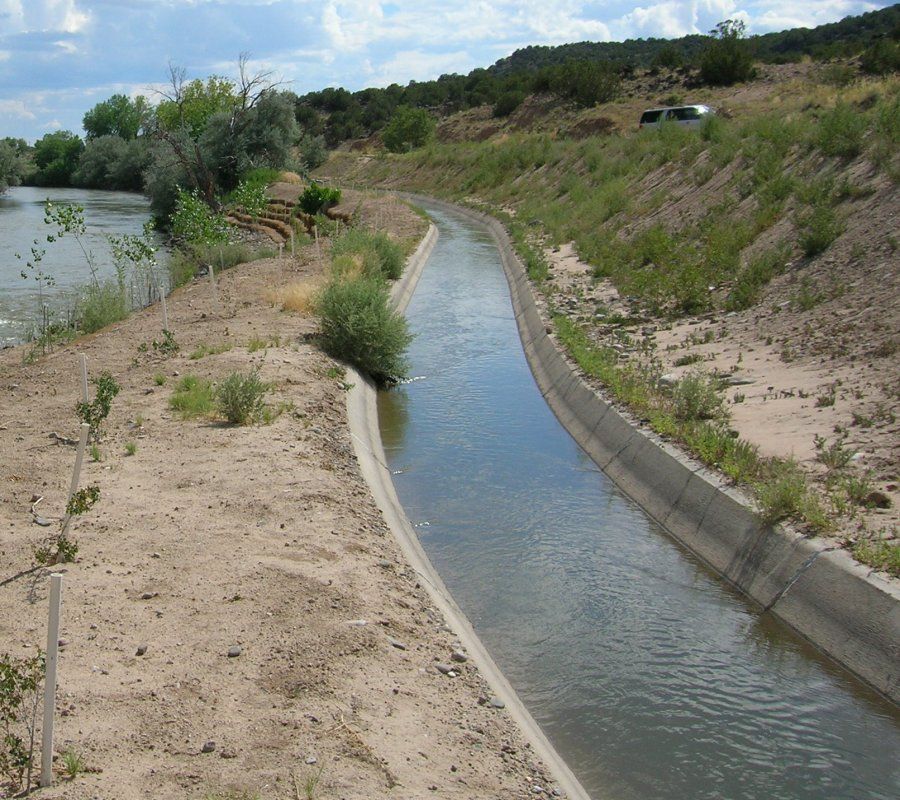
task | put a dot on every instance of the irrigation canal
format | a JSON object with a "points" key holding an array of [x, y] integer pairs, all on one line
{"points": [[652, 677]]}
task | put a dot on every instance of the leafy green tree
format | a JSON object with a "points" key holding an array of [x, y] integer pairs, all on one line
{"points": [[56, 158], [586, 82], [12, 164], [727, 58], [119, 116], [409, 128], [191, 104], [97, 162]]}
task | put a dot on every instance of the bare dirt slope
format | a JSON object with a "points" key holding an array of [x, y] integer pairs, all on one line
{"points": [[213, 537]]}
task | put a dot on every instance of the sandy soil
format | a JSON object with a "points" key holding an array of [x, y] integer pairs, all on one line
{"points": [[212, 537], [829, 371]]}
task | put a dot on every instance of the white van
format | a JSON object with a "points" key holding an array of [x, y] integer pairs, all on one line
{"points": [[688, 116]]}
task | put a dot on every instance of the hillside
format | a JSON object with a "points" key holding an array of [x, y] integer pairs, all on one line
{"points": [[757, 257]]}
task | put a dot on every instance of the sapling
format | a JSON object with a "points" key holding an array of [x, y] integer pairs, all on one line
{"points": [[20, 683], [95, 412]]}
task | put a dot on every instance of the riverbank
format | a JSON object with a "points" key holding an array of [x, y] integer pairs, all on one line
{"points": [[260, 541]]}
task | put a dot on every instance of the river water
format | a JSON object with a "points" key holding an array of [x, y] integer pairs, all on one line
{"points": [[652, 677], [22, 221]]}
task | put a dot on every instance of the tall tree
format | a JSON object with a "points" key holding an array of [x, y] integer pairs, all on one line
{"points": [[56, 158], [119, 116]]}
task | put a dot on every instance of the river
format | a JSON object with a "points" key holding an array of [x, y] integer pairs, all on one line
{"points": [[653, 678], [22, 221]]}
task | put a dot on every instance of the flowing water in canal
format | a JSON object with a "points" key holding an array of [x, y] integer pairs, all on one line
{"points": [[652, 678]]}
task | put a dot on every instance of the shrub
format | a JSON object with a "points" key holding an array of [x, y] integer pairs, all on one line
{"points": [[100, 305], [881, 58], [239, 398], [358, 326], [316, 199], [753, 277], [508, 102], [408, 129], [818, 227], [840, 131], [727, 59], [783, 494], [586, 82], [195, 221], [20, 685], [250, 197], [696, 397]]}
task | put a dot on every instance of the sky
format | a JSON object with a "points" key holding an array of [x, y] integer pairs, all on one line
{"points": [[58, 58]]}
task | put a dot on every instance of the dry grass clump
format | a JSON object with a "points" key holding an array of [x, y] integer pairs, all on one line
{"points": [[297, 296], [289, 177]]}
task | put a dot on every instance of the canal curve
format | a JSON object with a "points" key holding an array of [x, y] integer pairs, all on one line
{"points": [[650, 676]]}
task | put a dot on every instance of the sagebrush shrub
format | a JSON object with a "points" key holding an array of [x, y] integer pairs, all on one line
{"points": [[359, 327], [239, 398]]}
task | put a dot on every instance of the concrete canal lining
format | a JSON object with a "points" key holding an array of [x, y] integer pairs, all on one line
{"points": [[844, 609]]}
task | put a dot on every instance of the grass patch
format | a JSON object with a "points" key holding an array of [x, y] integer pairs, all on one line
{"points": [[378, 253], [204, 350], [101, 305], [186, 261], [299, 296], [130, 448], [263, 343], [879, 554], [193, 397]]}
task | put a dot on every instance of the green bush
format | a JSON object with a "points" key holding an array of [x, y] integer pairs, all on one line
{"points": [[239, 398], [696, 397], [381, 255], [881, 58], [194, 221], [753, 277], [408, 129], [358, 326], [840, 131], [508, 102], [818, 228], [317, 199], [250, 198]]}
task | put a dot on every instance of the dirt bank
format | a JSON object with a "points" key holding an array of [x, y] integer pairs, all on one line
{"points": [[211, 538]]}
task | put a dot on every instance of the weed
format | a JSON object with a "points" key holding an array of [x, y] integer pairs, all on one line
{"points": [[827, 399], [298, 296], [167, 346], [818, 228], [95, 453], [840, 131], [783, 494], [309, 784], [239, 398], [834, 456], [858, 488], [688, 359], [130, 448], [262, 343], [807, 296], [159, 379], [879, 554], [696, 397], [72, 763], [95, 412], [862, 420], [83, 500], [193, 397], [739, 397], [99, 305], [204, 350], [380, 255]]}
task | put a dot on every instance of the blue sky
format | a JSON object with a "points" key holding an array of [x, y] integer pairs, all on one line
{"points": [[60, 57]]}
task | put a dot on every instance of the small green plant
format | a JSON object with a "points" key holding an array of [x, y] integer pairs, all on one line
{"points": [[20, 685], [95, 412], [83, 500], [167, 346], [194, 221], [239, 398], [840, 131], [858, 488], [130, 448], [783, 494], [827, 399], [204, 350], [159, 379], [193, 397], [72, 763], [310, 784], [818, 227], [263, 343], [880, 554], [862, 420], [688, 359], [95, 453], [807, 296], [834, 456]]}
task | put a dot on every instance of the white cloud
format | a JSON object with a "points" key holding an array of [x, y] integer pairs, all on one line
{"points": [[61, 16], [416, 65], [772, 15], [15, 108]]}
